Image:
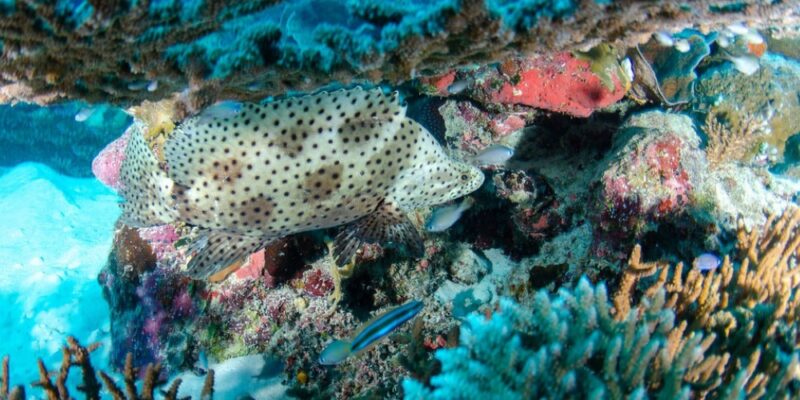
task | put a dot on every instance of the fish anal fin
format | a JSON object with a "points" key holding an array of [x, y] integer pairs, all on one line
{"points": [[215, 250], [387, 224]]}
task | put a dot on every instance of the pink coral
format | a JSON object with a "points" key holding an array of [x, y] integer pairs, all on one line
{"points": [[253, 268], [503, 125], [556, 82], [161, 238], [106, 165]]}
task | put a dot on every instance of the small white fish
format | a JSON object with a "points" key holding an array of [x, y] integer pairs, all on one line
{"points": [[458, 86], [664, 39], [221, 109], [753, 37], [84, 114], [706, 262], [444, 217], [493, 155], [153, 86], [627, 68], [682, 45], [139, 85], [737, 28], [745, 64], [723, 41]]}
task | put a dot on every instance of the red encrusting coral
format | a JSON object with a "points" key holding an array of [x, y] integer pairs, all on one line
{"points": [[557, 82], [317, 283]]}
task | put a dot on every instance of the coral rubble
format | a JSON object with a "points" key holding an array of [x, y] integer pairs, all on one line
{"points": [[125, 52]]}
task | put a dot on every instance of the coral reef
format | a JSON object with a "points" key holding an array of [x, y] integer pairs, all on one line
{"points": [[560, 82], [569, 346], [76, 355], [762, 104], [728, 332], [666, 74], [125, 52], [750, 305]]}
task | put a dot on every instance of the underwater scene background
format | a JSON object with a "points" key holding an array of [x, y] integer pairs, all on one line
{"points": [[447, 199]]}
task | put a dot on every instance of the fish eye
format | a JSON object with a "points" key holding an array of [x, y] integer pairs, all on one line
{"points": [[464, 177]]}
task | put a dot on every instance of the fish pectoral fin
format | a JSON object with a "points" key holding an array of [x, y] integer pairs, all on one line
{"points": [[214, 250], [387, 224]]}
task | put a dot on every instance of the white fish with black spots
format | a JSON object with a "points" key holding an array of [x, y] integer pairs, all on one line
{"points": [[443, 218], [349, 157]]}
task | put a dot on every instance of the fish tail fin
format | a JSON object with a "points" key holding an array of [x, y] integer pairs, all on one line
{"points": [[335, 353], [145, 187]]}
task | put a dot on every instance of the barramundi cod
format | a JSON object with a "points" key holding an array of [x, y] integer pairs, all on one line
{"points": [[349, 157]]}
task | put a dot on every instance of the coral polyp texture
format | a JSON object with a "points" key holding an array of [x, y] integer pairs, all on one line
{"points": [[128, 51], [726, 333]]}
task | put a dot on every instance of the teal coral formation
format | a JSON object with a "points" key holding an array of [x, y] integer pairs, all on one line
{"points": [[564, 346], [113, 51]]}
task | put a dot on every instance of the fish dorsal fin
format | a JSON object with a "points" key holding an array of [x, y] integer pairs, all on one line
{"points": [[214, 250], [206, 146], [144, 185], [387, 224]]}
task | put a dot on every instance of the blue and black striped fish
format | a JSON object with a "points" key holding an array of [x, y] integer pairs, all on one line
{"points": [[374, 330]]}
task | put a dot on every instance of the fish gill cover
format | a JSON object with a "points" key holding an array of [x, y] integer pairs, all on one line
{"points": [[374, 199]]}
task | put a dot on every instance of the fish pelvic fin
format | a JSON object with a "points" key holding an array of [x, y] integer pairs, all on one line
{"points": [[146, 188], [386, 225], [214, 250]]}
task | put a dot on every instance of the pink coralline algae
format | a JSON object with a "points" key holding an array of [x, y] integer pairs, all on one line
{"points": [[253, 268], [654, 175], [651, 175], [317, 283], [107, 164], [161, 238], [557, 82]]}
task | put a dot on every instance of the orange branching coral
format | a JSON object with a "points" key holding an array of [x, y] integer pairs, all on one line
{"points": [[76, 355], [16, 393], [746, 309], [734, 140]]}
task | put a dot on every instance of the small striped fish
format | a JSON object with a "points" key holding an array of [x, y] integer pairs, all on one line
{"points": [[369, 334]]}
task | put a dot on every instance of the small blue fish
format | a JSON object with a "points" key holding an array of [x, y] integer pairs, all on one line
{"points": [[493, 155], [220, 110], [84, 114], [444, 217], [369, 333], [707, 262]]}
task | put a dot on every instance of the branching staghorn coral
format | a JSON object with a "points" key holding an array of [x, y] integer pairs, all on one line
{"points": [[570, 346], [734, 139], [751, 305], [76, 355]]}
